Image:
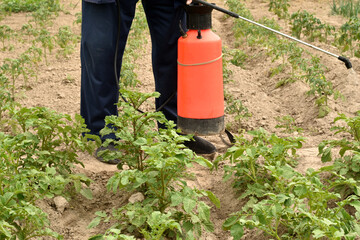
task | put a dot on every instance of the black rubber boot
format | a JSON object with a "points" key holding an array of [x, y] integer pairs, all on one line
{"points": [[200, 146]]}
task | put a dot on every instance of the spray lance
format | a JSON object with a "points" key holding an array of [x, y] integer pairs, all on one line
{"points": [[200, 81], [232, 14]]}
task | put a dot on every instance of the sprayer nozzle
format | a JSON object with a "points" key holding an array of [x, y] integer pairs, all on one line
{"points": [[346, 61]]}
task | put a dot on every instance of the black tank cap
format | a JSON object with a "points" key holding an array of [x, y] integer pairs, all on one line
{"points": [[198, 17]]}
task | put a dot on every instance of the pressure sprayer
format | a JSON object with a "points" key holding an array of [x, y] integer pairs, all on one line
{"points": [[200, 81], [200, 78]]}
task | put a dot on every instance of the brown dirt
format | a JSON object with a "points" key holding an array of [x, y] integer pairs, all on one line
{"points": [[58, 87]]}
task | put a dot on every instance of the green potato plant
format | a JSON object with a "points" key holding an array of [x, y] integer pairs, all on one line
{"points": [[280, 8], [135, 42], [5, 34], [297, 207], [348, 37], [157, 162], [29, 5], [6, 100], [236, 108], [347, 161], [37, 155], [66, 40], [249, 159], [306, 24], [47, 42], [319, 86]]}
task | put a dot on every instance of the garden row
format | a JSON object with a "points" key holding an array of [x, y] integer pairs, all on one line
{"points": [[38, 146], [282, 202]]}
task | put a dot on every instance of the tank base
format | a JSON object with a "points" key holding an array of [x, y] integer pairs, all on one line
{"points": [[201, 127]]}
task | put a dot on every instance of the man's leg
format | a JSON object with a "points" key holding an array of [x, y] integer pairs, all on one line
{"points": [[163, 19], [99, 89]]}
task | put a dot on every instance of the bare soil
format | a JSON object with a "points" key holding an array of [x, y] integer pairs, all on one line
{"points": [[58, 87]]}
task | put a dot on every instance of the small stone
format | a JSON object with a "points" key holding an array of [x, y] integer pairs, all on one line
{"points": [[136, 197], [125, 167], [60, 95], [61, 203]]}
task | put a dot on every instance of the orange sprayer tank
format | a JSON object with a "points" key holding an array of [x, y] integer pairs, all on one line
{"points": [[200, 78]]}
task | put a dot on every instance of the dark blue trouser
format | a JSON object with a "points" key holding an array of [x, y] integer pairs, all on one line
{"points": [[99, 90]]}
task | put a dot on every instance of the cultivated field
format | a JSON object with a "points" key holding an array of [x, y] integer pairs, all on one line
{"points": [[293, 172]]}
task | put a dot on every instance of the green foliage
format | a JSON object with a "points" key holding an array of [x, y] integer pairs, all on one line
{"points": [[29, 30], [29, 5], [185, 217], [283, 203], [134, 128], [47, 42], [5, 34], [78, 16], [36, 160], [298, 208], [348, 39], [157, 162], [288, 52], [241, 28], [346, 8], [238, 57], [252, 157], [13, 68], [134, 48], [7, 103], [42, 16], [52, 137], [21, 219], [66, 40], [306, 24], [235, 107], [288, 124], [227, 73], [280, 8], [347, 163], [319, 86]]}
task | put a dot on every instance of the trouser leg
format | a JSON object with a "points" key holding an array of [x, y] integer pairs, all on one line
{"points": [[163, 20], [99, 89]]}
